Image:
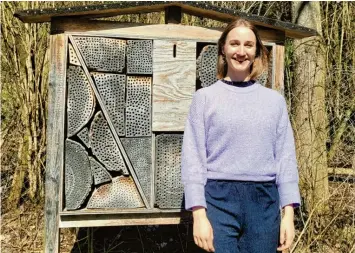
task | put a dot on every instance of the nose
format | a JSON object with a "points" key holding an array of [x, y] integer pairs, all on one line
{"points": [[241, 50]]}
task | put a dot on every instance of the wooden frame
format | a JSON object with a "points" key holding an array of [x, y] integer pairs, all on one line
{"points": [[55, 140], [64, 30]]}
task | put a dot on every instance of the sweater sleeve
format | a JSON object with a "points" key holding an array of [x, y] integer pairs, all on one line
{"points": [[287, 177], [193, 157]]}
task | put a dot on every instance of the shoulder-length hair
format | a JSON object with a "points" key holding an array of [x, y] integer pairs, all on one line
{"points": [[260, 62]]}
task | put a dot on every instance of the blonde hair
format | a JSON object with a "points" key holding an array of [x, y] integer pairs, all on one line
{"points": [[260, 62]]}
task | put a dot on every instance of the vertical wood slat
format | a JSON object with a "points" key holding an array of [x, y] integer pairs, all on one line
{"points": [[55, 140], [105, 112], [153, 190], [174, 82], [279, 63]]}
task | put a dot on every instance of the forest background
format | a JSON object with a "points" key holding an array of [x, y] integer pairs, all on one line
{"points": [[319, 88]]}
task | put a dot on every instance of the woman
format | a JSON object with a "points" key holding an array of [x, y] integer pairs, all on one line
{"points": [[238, 158]]}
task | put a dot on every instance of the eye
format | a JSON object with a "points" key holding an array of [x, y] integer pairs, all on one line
{"points": [[234, 43]]}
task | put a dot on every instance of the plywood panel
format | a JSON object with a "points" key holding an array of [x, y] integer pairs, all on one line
{"points": [[174, 81]]}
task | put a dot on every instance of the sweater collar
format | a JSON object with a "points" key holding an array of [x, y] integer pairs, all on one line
{"points": [[241, 84]]}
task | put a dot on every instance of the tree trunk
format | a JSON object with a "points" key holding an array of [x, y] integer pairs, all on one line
{"points": [[309, 107], [17, 181]]}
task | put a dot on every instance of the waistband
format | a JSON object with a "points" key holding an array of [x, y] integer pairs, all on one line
{"points": [[241, 181]]}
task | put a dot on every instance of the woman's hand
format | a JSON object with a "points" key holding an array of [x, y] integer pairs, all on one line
{"points": [[202, 229], [287, 229]]}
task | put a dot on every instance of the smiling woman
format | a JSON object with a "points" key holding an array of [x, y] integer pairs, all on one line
{"points": [[238, 157], [241, 43]]}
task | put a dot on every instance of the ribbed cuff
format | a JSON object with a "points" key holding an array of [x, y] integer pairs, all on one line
{"points": [[194, 196], [289, 194]]}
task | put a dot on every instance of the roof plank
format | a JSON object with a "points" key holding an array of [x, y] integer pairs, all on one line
{"points": [[201, 9]]}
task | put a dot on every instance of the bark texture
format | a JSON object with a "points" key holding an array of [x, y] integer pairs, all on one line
{"points": [[309, 106]]}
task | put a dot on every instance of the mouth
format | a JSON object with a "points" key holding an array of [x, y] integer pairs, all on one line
{"points": [[240, 61]]}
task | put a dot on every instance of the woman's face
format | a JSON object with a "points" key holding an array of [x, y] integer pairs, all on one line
{"points": [[240, 49]]}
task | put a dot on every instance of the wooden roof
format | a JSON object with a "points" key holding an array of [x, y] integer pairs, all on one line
{"points": [[201, 9]]}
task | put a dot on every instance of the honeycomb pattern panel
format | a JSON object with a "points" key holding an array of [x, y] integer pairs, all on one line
{"points": [[81, 100], [262, 79], [78, 177], [121, 193], [103, 54], [104, 146], [111, 88], [138, 106], [139, 57], [169, 190], [73, 58], [101, 175], [265, 77], [139, 151], [84, 136], [207, 65]]}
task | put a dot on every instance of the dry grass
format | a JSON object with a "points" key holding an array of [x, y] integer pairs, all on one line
{"points": [[332, 232]]}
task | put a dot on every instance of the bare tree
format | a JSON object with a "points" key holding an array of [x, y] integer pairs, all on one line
{"points": [[310, 116], [24, 78]]}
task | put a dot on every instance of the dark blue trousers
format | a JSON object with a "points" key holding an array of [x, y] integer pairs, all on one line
{"points": [[245, 216]]}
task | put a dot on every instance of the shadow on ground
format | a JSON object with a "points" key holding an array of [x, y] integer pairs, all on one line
{"points": [[138, 239]]}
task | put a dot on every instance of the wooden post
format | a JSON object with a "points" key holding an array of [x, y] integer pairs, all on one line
{"points": [[55, 140], [173, 15], [279, 68]]}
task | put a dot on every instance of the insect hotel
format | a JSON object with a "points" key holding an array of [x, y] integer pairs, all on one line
{"points": [[119, 94]]}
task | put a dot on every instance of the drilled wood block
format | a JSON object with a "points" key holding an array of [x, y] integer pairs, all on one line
{"points": [[104, 146], [207, 65], [121, 193], [138, 106], [78, 177], [169, 189], [139, 151], [81, 100], [102, 54], [174, 82], [112, 92], [265, 77], [139, 56], [73, 58], [84, 136], [101, 175]]}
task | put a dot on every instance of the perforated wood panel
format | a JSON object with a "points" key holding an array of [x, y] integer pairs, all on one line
{"points": [[112, 91], [139, 151], [84, 136], [102, 54], [263, 78], [73, 58], [121, 193], [78, 178], [207, 65], [104, 146], [169, 190], [101, 175], [139, 56], [81, 100], [138, 106]]}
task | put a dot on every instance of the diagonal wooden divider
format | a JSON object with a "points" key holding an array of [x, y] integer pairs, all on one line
{"points": [[105, 112]]}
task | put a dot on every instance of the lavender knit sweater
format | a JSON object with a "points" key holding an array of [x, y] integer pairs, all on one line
{"points": [[238, 133]]}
